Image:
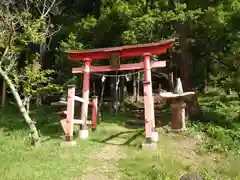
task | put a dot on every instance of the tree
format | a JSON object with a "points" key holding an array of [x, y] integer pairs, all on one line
{"points": [[19, 27]]}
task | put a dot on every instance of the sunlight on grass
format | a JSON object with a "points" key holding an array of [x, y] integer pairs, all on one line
{"points": [[48, 162], [147, 165], [22, 162], [211, 146], [176, 155]]}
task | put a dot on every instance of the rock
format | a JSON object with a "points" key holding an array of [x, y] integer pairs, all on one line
{"points": [[178, 89], [191, 176]]}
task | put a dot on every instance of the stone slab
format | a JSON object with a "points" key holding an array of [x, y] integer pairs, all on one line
{"points": [[149, 146], [178, 130], [68, 143]]}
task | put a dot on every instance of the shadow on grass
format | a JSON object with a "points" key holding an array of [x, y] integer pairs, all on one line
{"points": [[226, 99], [212, 93], [11, 121], [223, 118], [162, 118], [135, 119], [129, 139], [218, 109], [47, 121], [211, 117]]}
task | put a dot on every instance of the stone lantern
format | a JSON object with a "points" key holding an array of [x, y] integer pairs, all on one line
{"points": [[178, 100]]}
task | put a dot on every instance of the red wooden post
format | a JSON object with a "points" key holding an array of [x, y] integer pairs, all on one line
{"points": [[154, 132], [70, 113], [84, 113], [94, 112], [148, 98]]}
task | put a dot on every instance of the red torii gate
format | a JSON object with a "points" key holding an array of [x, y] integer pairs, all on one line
{"points": [[144, 50]]}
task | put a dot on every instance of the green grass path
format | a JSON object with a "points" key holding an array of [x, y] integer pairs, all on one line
{"points": [[112, 152], [104, 158], [50, 162]]}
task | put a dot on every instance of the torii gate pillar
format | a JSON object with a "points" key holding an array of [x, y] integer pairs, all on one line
{"points": [[148, 100], [83, 132]]}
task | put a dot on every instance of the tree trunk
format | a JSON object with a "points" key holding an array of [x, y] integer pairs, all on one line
{"points": [[38, 100], [171, 81], [134, 88], [146, 6], [186, 58], [186, 70], [122, 85], [138, 86], [28, 104], [170, 75], [4, 90], [35, 136]]}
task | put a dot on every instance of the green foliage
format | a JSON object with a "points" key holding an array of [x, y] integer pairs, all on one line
{"points": [[32, 81], [221, 139], [22, 27], [33, 30], [219, 120], [211, 29], [36, 81], [71, 43]]}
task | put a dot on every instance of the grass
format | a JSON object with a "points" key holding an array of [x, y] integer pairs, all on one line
{"points": [[48, 162], [210, 146]]}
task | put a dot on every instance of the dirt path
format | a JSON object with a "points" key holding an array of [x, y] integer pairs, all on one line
{"points": [[187, 150], [102, 165]]}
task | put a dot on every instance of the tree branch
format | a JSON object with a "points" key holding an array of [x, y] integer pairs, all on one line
{"points": [[54, 32], [7, 48], [10, 66], [26, 5], [48, 10], [44, 6]]}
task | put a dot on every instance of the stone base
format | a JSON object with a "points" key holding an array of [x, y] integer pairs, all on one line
{"points": [[149, 146], [83, 133], [62, 137], [155, 136], [178, 130], [68, 143]]}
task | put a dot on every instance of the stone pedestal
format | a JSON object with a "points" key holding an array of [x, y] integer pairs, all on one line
{"points": [[149, 146], [83, 132], [68, 143], [155, 136], [178, 116]]}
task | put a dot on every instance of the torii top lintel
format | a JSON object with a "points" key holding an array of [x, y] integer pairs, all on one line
{"points": [[124, 51]]}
